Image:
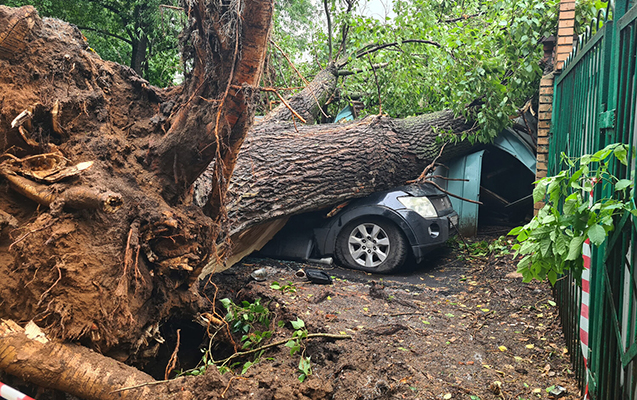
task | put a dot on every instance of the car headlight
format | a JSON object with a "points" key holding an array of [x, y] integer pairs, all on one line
{"points": [[421, 205]]}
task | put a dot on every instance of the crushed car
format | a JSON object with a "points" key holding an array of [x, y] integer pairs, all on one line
{"points": [[377, 233]]}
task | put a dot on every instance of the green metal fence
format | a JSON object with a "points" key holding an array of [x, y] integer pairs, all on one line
{"points": [[595, 103]]}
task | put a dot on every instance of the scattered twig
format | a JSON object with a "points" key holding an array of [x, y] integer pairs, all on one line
{"points": [[228, 386], [406, 313], [279, 343], [418, 332]]}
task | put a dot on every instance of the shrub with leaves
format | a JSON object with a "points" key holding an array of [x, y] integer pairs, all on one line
{"points": [[552, 242], [296, 345], [243, 319]]}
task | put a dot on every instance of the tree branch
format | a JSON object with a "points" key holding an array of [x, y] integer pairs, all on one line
{"points": [[123, 39], [461, 18], [345, 30], [359, 70], [396, 44], [329, 29]]}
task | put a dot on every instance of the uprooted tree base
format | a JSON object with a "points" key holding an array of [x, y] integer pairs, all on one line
{"points": [[98, 243]]}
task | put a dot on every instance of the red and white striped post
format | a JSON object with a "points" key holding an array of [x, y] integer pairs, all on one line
{"points": [[586, 299], [9, 393]]}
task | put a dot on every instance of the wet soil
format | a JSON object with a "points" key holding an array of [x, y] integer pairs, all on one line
{"points": [[453, 327]]}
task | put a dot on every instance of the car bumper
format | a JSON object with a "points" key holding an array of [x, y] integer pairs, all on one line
{"points": [[431, 232]]}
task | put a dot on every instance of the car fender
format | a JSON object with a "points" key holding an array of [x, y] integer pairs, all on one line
{"points": [[326, 236]]}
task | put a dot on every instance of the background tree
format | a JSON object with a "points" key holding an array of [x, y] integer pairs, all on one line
{"points": [[138, 33], [435, 55]]}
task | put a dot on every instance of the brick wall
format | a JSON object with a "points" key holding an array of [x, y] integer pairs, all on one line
{"points": [[561, 47], [565, 32]]}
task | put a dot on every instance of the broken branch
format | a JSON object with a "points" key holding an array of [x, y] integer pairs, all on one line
{"points": [[279, 343]]}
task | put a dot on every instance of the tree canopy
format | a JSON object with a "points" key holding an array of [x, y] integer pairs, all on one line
{"points": [[479, 58], [435, 55]]}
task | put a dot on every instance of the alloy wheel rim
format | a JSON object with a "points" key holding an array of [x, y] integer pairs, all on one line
{"points": [[368, 245]]}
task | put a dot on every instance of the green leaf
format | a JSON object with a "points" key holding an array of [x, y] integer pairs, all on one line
{"points": [[552, 276], [575, 248], [571, 203], [597, 234], [298, 324], [560, 245], [620, 153], [623, 184], [539, 191], [226, 303]]}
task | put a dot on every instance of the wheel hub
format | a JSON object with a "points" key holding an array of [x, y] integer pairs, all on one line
{"points": [[368, 245]]}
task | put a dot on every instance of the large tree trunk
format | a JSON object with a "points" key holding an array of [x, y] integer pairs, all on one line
{"points": [[314, 167], [107, 254], [285, 169]]}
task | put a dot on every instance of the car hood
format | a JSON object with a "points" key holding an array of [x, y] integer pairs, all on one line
{"points": [[421, 190]]}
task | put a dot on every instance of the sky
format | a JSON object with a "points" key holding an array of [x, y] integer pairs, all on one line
{"points": [[379, 9]]}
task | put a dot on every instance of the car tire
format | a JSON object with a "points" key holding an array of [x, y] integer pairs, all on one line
{"points": [[387, 252]]}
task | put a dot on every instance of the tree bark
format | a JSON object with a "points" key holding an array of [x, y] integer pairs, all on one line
{"points": [[319, 166], [30, 355], [309, 101], [215, 116]]}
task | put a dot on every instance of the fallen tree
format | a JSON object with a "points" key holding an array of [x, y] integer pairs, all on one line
{"points": [[285, 167], [108, 246]]}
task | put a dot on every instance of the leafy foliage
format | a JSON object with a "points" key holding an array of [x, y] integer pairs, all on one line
{"points": [[244, 319], [287, 288], [448, 54], [296, 345], [585, 11], [552, 242]]}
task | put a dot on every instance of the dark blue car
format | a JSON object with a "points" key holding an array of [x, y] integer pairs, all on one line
{"points": [[375, 233]]}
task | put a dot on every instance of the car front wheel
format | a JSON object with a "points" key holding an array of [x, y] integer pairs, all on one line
{"points": [[372, 245]]}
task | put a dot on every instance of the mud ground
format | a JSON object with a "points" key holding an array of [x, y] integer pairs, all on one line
{"points": [[457, 326], [460, 325]]}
